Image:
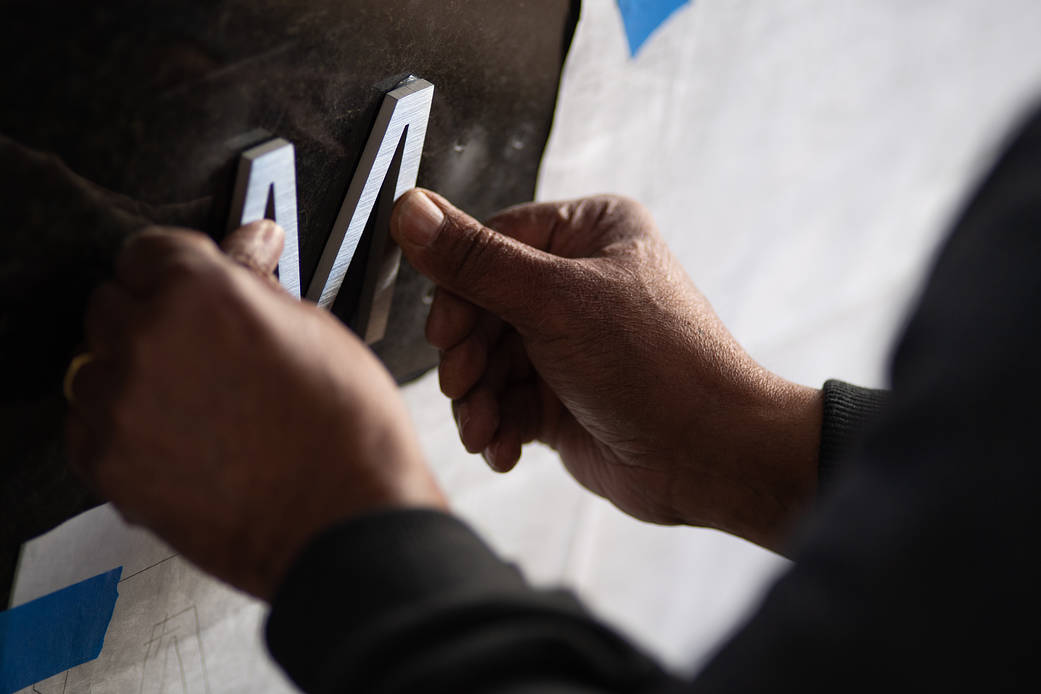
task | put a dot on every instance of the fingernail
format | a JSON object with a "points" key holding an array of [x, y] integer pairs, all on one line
{"points": [[420, 219], [269, 231]]}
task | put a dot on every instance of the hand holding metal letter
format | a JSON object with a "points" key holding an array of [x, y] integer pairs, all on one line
{"points": [[209, 381], [122, 115], [573, 324], [237, 422]]}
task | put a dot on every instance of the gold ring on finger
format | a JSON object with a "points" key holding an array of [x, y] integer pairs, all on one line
{"points": [[77, 363]]}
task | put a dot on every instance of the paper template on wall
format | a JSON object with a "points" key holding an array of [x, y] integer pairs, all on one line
{"points": [[173, 630]]}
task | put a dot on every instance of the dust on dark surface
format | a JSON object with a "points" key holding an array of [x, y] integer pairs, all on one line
{"points": [[120, 114]]}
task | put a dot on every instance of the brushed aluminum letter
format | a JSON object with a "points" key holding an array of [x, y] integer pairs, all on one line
{"points": [[400, 125], [268, 172]]}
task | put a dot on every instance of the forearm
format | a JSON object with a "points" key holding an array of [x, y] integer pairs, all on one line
{"points": [[777, 454], [785, 446]]}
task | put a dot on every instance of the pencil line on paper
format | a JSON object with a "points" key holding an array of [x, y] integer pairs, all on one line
{"points": [[148, 567]]}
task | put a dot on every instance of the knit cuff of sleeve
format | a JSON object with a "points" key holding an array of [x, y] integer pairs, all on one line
{"points": [[370, 571], [848, 410]]}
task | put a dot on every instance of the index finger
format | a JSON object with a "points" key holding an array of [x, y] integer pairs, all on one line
{"points": [[149, 259], [573, 228]]}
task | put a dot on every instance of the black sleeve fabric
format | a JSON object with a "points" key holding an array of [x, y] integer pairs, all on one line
{"points": [[414, 601], [915, 572], [847, 412]]}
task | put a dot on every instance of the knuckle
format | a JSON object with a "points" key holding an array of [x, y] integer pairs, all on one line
{"points": [[176, 275], [619, 209], [193, 240], [470, 265], [619, 204], [161, 241], [576, 299], [194, 283]]}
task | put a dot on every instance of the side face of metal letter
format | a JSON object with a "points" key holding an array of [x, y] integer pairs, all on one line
{"points": [[395, 145], [268, 172]]}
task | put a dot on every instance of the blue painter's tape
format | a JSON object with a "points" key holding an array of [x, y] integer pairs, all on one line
{"points": [[642, 17], [56, 632]]}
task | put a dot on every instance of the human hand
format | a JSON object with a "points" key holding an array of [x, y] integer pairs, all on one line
{"points": [[574, 325], [229, 418]]}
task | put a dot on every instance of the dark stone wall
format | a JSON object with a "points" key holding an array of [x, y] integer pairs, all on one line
{"points": [[116, 115]]}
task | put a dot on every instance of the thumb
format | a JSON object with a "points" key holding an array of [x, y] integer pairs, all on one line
{"points": [[256, 245], [498, 273]]}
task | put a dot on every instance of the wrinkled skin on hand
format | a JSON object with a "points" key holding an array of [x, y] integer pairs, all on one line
{"points": [[237, 422], [572, 324], [231, 419]]}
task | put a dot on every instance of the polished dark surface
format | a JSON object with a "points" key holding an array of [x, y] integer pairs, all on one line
{"points": [[121, 114]]}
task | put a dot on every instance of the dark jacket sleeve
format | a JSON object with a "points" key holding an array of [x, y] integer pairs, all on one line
{"points": [[370, 591], [414, 601], [847, 412], [916, 572]]}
